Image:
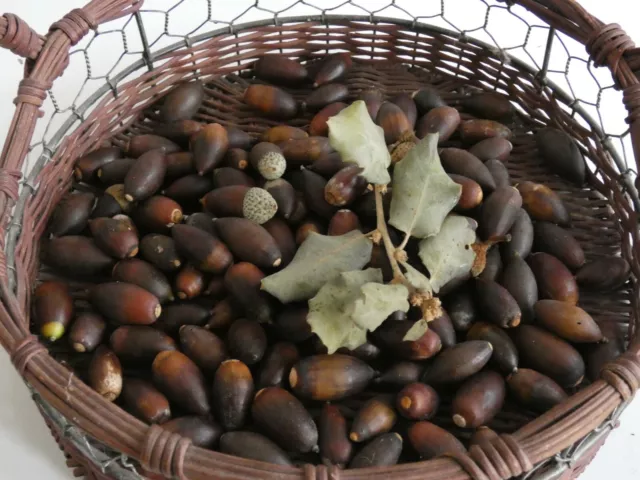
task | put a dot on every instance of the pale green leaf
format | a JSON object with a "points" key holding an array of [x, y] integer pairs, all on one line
{"points": [[448, 254], [416, 278], [416, 332], [319, 259], [353, 134], [423, 194]]}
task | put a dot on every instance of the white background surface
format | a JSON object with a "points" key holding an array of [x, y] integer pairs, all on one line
{"points": [[26, 448]]}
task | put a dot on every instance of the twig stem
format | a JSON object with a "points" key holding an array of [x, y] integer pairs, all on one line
{"points": [[388, 244]]}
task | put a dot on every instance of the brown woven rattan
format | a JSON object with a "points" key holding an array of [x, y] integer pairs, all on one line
{"points": [[395, 52]]}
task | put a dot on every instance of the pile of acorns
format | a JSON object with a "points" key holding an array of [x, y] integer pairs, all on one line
{"points": [[193, 216]]}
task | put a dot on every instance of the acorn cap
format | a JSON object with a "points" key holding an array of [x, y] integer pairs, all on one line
{"points": [[272, 165], [259, 206]]}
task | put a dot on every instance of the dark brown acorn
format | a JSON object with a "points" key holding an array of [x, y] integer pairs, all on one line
{"points": [[598, 355], [105, 374], [329, 377], [226, 201], [543, 204], [549, 355], [394, 122], [520, 282], [160, 251], [238, 138], [144, 401], [332, 68], [87, 332], [431, 441], [279, 69], [443, 326], [345, 186], [499, 212], [491, 105], [495, 148], [382, 451], [521, 237], [389, 336], [499, 173], [373, 99], [138, 145], [555, 281], [461, 162], [567, 321], [458, 362], [181, 381], [291, 323], [145, 275], [202, 220], [227, 176], [328, 164], [343, 221], [314, 194], [71, 215], [497, 305], [282, 133], [471, 195], [478, 400], [206, 349], [474, 131], [52, 309], [189, 282], [427, 99], [203, 249], [604, 274], [247, 341], [145, 176], [318, 126], [125, 303], [176, 315], [158, 214], [249, 242], [222, 314], [87, 166], [325, 95], [535, 390], [108, 206], [215, 287], [139, 343], [306, 228], [271, 101], [493, 265], [561, 154], [417, 401], [505, 354], [115, 236], [376, 416], [178, 131], [189, 189], [283, 236], [232, 394], [77, 255], [277, 363], [367, 352], [441, 120], [242, 281], [461, 308], [399, 375], [209, 147], [202, 431], [253, 446], [304, 151], [557, 241], [334, 443], [284, 195], [183, 102], [236, 158]]}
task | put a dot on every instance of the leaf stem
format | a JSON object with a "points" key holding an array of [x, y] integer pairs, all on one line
{"points": [[388, 244]]}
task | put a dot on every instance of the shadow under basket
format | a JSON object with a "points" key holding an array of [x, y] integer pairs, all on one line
{"points": [[395, 55]]}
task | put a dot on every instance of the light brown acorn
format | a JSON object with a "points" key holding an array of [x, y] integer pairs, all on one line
{"points": [[87, 166], [277, 363], [105, 374], [77, 255], [158, 214], [554, 279], [491, 105], [329, 377], [474, 131], [307, 227], [268, 160], [145, 176], [505, 354], [271, 101], [442, 120], [284, 194], [247, 341], [304, 151], [373, 99], [521, 237], [202, 220], [567, 321], [499, 212], [202, 431], [394, 122], [175, 375], [176, 315], [183, 102], [318, 126], [562, 154], [535, 390], [253, 446], [125, 303], [145, 275], [460, 307], [478, 400], [426, 99], [282, 133], [334, 443], [497, 305], [543, 204], [497, 148], [291, 323], [236, 158], [443, 326], [232, 394], [52, 309], [382, 451], [249, 242], [87, 332], [238, 138], [203, 249], [417, 401], [458, 362], [115, 236], [343, 221], [376, 416], [189, 282], [471, 195], [242, 281], [431, 441], [557, 241], [160, 251], [499, 173], [604, 274], [227, 176], [205, 348], [345, 186], [389, 336], [520, 282], [325, 95], [283, 236], [279, 69], [144, 401], [399, 374], [178, 131], [139, 343], [71, 215], [461, 162], [189, 189], [332, 68], [285, 419], [209, 146]]}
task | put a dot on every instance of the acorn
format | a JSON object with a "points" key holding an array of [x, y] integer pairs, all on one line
{"points": [[277, 363], [279, 69], [318, 126], [87, 166], [71, 215], [495, 148], [493, 266], [505, 354], [115, 236], [271, 101], [87, 332], [209, 146], [160, 251], [125, 303], [182, 102], [145, 176], [242, 281], [144, 401], [304, 151], [407, 105], [283, 236], [562, 154], [236, 158], [226, 201], [604, 273], [555, 281], [499, 212], [282, 133], [461, 309], [329, 377], [247, 341], [345, 186], [203, 249], [520, 282], [268, 160], [598, 355], [105, 374], [253, 446], [535, 390], [206, 349], [189, 189], [389, 336], [145, 275], [215, 287], [77, 255], [179, 130], [521, 237], [497, 304], [549, 355], [557, 241], [567, 321], [332, 68], [431, 441], [471, 195], [491, 105], [291, 323], [474, 131], [328, 164], [334, 443], [343, 221], [443, 327], [108, 206], [52, 309], [394, 122], [376, 416], [461, 162], [222, 314], [382, 451], [417, 401], [249, 242], [284, 419], [458, 362], [543, 204], [300, 211], [399, 374], [441, 120], [238, 138], [325, 95], [202, 431], [284, 194], [158, 214], [373, 99], [478, 400], [427, 99], [232, 394], [306, 228], [189, 282], [181, 381], [314, 188], [139, 343], [176, 315], [202, 220]]}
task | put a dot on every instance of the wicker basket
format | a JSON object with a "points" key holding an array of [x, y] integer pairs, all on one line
{"points": [[393, 49]]}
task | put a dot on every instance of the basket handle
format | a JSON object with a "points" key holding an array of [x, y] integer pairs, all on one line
{"points": [[18, 37]]}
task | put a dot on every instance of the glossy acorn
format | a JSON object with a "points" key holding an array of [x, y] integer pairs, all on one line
{"points": [[543, 204], [291, 323], [394, 122], [458, 362], [535, 390], [442, 120], [145, 177], [205, 348], [373, 99], [232, 394], [236, 158], [87, 166], [431, 441], [520, 282], [189, 189], [158, 214], [376, 416], [474, 131], [334, 443], [499, 212], [557, 241], [461, 308], [325, 95], [139, 343], [283, 236], [345, 186], [328, 164], [495, 148], [138, 145], [160, 251], [554, 279], [505, 354], [343, 221], [604, 274], [399, 374], [329, 377], [202, 220], [108, 206], [318, 126], [314, 190], [282, 133], [567, 321], [407, 105], [242, 281], [125, 303], [71, 215], [471, 195], [549, 354], [271, 101], [189, 282], [183, 102], [304, 151], [175, 375], [144, 401], [238, 138], [521, 237], [307, 227], [226, 201], [284, 194], [499, 173], [561, 154], [76, 255], [461, 162], [179, 130], [222, 314], [443, 327], [497, 305], [417, 401], [203, 249], [253, 446], [52, 309], [145, 275], [382, 451], [493, 265], [332, 68], [491, 105], [389, 336], [247, 341], [275, 368], [202, 431], [478, 400], [115, 236], [209, 147], [176, 315], [280, 70], [598, 355], [104, 374], [87, 332], [249, 242]]}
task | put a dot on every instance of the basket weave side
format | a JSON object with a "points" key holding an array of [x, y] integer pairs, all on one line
{"points": [[171, 456]]}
